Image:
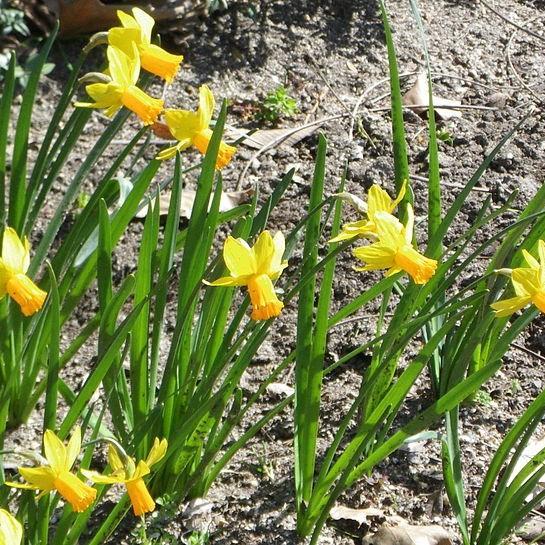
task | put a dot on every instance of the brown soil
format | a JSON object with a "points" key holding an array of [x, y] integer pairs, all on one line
{"points": [[328, 53]]}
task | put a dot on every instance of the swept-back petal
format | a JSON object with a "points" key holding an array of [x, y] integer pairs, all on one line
{"points": [[128, 21], [103, 479], [390, 230], [55, 451], [141, 470], [114, 460], [525, 281], [145, 22], [264, 251], [42, 478], [183, 124], [11, 530], [227, 281], [239, 257], [5, 275], [377, 256], [157, 452], [73, 447], [378, 201], [123, 38], [207, 105], [277, 265], [15, 252], [510, 306], [530, 259]]}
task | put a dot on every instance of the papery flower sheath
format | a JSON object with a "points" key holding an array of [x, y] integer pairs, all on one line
{"points": [[528, 283], [193, 129], [377, 201], [394, 249], [14, 264], [11, 531], [56, 474], [126, 471], [137, 29], [256, 267], [123, 71]]}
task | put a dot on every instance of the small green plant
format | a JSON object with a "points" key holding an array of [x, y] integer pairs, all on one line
{"points": [[446, 137], [12, 21], [198, 538], [277, 104]]}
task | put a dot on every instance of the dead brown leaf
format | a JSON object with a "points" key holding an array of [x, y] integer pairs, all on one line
{"points": [[228, 201], [269, 138], [407, 534], [417, 95]]}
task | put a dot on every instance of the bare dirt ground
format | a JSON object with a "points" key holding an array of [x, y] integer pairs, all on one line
{"points": [[329, 54]]}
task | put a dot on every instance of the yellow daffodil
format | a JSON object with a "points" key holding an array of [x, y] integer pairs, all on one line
{"points": [[377, 201], [192, 129], [528, 283], [56, 474], [13, 280], [11, 531], [123, 71], [137, 29], [131, 475], [256, 268], [394, 249]]}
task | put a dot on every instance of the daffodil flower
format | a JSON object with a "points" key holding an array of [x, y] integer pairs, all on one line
{"points": [[394, 249], [123, 71], [528, 283], [11, 531], [192, 129], [131, 475], [377, 201], [14, 264], [56, 474], [137, 29], [256, 268]]}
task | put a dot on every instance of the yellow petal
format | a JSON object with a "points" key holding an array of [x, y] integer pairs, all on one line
{"points": [[378, 201], [264, 251], [157, 452], [141, 470], [114, 460], [399, 198], [390, 230], [377, 256], [41, 478], [145, 22], [55, 451], [105, 95], [509, 306], [156, 60], [530, 259], [409, 226], [168, 153], [5, 275], [123, 38], [226, 281], [277, 265], [11, 531], [103, 479], [207, 105], [265, 302], [525, 281], [128, 21], [239, 257], [119, 67], [183, 124], [15, 253], [73, 447]]}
